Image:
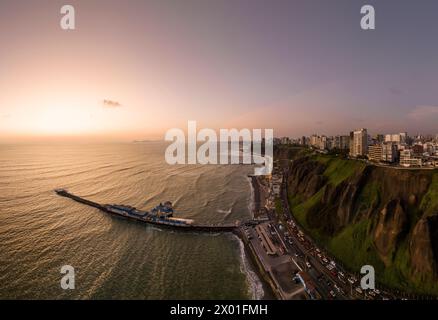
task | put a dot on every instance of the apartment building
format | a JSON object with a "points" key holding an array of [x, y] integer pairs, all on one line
{"points": [[359, 143]]}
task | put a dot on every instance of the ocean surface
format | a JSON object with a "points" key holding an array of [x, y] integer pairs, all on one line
{"points": [[116, 258]]}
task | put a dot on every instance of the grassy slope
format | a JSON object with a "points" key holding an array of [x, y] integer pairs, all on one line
{"points": [[339, 169], [429, 204], [354, 245]]}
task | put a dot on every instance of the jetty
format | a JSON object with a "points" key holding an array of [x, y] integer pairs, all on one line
{"points": [[161, 216]]}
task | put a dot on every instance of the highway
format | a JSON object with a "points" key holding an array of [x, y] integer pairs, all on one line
{"points": [[331, 280]]}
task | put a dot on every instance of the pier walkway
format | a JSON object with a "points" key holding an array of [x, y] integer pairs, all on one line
{"points": [[157, 222]]}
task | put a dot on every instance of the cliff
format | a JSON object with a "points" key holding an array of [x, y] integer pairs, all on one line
{"points": [[368, 214]]}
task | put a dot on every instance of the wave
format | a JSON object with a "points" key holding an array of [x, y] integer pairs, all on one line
{"points": [[255, 286], [228, 212], [251, 202]]}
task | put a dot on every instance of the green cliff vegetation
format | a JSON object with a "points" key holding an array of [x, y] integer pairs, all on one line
{"points": [[353, 198], [429, 204], [337, 169]]}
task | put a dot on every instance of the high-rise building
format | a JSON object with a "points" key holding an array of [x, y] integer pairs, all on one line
{"points": [[359, 143], [341, 142], [389, 152], [375, 152], [398, 138], [379, 138], [320, 142], [408, 159], [386, 152], [314, 140]]}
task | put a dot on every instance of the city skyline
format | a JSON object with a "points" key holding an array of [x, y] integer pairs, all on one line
{"points": [[133, 70]]}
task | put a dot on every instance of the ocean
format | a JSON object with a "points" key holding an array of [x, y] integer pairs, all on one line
{"points": [[116, 258]]}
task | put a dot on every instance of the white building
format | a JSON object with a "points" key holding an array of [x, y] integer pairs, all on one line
{"points": [[359, 143], [398, 138], [407, 159]]}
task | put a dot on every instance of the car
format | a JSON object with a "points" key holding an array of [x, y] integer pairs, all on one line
{"points": [[308, 265], [337, 288], [341, 274], [351, 280], [329, 267], [333, 294], [325, 260], [359, 290]]}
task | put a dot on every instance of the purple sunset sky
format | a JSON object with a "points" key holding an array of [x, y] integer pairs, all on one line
{"points": [[300, 67]]}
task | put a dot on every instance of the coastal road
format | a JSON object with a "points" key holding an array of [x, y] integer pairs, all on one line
{"points": [[279, 268], [328, 282], [331, 280]]}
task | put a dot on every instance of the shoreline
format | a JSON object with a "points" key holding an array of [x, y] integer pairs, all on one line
{"points": [[248, 253], [255, 187], [269, 289], [257, 288]]}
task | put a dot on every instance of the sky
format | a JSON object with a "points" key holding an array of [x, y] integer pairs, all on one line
{"points": [[134, 69]]}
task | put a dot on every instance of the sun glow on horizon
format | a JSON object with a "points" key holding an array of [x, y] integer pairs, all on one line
{"points": [[63, 120]]}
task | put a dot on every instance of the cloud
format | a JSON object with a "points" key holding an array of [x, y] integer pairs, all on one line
{"points": [[111, 104], [395, 91], [424, 113]]}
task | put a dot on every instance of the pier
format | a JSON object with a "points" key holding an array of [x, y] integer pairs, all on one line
{"points": [[157, 222]]}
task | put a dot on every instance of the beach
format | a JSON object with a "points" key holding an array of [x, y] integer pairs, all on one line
{"points": [[258, 199]]}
